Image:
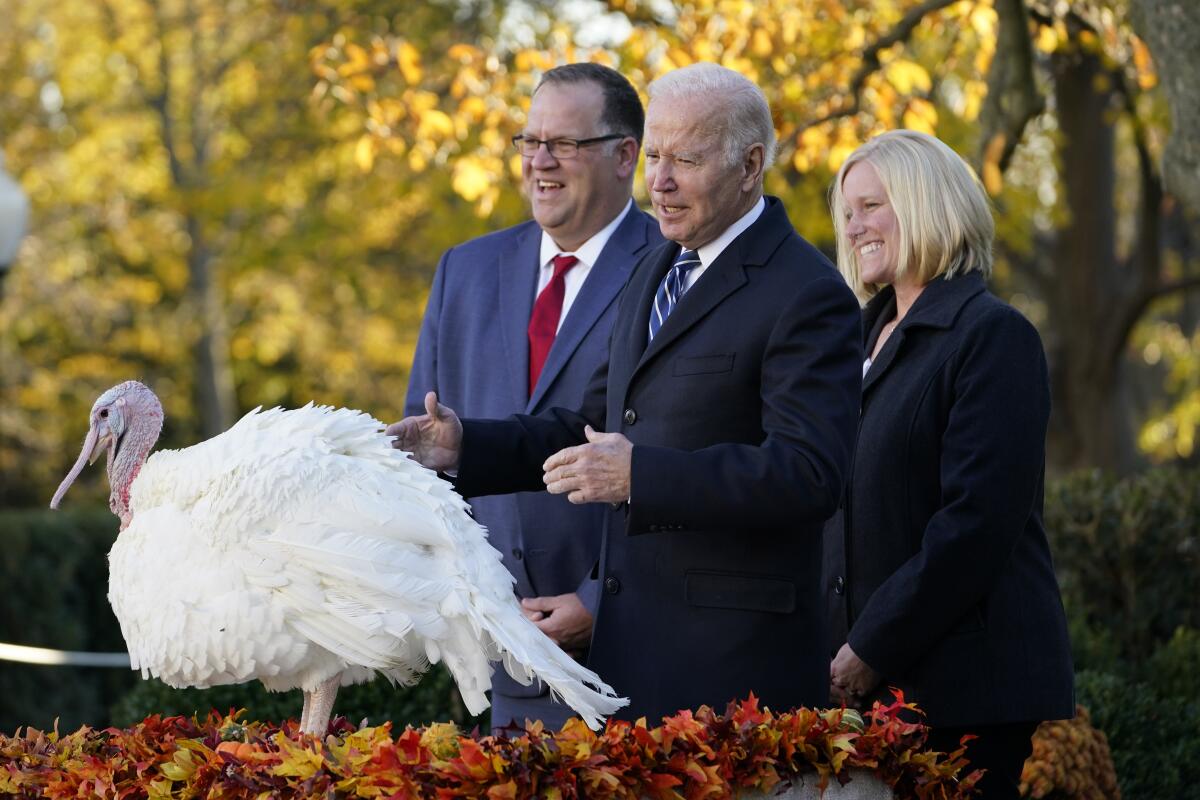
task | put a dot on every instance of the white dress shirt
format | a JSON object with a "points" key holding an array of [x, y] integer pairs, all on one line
{"points": [[587, 253], [709, 252]]}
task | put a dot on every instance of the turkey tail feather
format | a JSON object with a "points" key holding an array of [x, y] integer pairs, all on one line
{"points": [[527, 653]]}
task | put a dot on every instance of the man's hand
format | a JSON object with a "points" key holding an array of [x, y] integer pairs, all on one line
{"points": [[596, 472], [434, 438], [563, 618], [850, 679]]}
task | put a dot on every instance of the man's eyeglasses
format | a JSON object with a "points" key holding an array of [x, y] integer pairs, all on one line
{"points": [[559, 148]]}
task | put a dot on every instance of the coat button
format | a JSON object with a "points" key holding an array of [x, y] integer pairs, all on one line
{"points": [[517, 554], [630, 416], [839, 585], [612, 585]]}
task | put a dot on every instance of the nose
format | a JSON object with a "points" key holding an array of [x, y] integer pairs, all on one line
{"points": [[659, 178], [542, 159], [854, 227]]}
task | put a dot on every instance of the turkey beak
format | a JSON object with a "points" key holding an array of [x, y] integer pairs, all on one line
{"points": [[92, 448]]}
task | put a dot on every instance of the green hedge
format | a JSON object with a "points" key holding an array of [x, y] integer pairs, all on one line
{"points": [[1127, 553], [54, 573]]}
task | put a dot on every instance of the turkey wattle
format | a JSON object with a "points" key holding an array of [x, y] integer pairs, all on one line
{"points": [[301, 549]]}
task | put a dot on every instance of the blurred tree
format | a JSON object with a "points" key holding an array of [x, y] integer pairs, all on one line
{"points": [[1054, 101], [209, 219], [200, 223]]}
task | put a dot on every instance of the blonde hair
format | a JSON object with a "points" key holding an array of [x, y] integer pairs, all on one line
{"points": [[942, 212]]}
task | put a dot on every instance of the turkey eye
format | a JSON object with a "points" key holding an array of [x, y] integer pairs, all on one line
{"points": [[104, 414]]}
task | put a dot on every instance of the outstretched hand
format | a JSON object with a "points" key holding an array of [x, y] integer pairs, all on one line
{"points": [[434, 438], [596, 472]]}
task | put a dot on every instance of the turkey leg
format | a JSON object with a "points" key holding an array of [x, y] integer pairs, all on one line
{"points": [[318, 705]]}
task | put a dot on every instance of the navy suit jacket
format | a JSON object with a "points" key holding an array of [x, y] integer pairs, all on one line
{"points": [[474, 352], [937, 568], [742, 415]]}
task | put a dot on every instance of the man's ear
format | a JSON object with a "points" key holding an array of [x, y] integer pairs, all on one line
{"points": [[753, 164], [627, 157]]}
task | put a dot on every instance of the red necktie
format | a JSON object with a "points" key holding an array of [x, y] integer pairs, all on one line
{"points": [[543, 322]]}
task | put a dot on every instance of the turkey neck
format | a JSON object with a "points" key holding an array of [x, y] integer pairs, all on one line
{"points": [[135, 445]]}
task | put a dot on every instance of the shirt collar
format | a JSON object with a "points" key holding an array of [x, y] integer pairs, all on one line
{"points": [[709, 252], [589, 251]]}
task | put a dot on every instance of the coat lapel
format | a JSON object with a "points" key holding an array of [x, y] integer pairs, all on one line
{"points": [[604, 282], [518, 279], [938, 307]]}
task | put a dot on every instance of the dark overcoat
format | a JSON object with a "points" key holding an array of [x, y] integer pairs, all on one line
{"points": [[937, 566], [742, 414], [474, 352]]}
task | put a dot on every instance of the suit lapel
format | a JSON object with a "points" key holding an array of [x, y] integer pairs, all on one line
{"points": [[518, 279], [604, 282], [753, 247], [722, 278]]}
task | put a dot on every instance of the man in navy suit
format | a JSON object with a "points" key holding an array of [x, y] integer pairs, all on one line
{"points": [[504, 334], [729, 403]]}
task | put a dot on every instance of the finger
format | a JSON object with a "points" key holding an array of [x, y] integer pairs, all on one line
{"points": [[591, 434], [432, 406], [533, 616], [568, 455], [577, 497], [537, 603]]}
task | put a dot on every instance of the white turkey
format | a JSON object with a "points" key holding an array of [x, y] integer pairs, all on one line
{"points": [[301, 549]]}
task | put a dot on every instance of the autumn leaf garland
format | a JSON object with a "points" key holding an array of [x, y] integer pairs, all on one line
{"points": [[697, 755]]}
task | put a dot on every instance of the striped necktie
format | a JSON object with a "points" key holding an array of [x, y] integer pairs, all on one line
{"points": [[671, 289]]}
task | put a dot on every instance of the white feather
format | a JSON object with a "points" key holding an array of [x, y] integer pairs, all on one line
{"points": [[299, 546]]}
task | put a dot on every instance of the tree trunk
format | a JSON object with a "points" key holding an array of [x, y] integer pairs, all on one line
{"points": [[1090, 426], [216, 396], [1171, 29]]}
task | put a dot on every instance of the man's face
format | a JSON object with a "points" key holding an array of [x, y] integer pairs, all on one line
{"points": [[573, 198], [695, 192]]}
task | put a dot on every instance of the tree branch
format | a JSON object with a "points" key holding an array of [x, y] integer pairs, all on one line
{"points": [[1013, 99], [870, 58]]}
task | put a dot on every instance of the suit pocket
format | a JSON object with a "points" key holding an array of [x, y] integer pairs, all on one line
{"points": [[741, 592], [702, 365]]}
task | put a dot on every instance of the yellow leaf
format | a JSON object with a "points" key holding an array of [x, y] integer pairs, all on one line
{"points": [[1047, 39], [463, 52], [435, 124], [761, 43], [1146, 77], [364, 152], [907, 75], [921, 115], [983, 20], [993, 180], [409, 61]]}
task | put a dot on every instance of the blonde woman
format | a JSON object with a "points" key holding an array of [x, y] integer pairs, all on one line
{"points": [[937, 569]]}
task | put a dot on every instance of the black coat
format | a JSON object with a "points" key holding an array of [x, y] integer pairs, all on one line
{"points": [[742, 414], [937, 565]]}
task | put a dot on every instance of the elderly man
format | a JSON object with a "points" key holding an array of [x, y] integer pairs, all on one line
{"points": [[729, 402], [518, 320]]}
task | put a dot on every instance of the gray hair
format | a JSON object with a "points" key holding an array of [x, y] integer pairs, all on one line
{"points": [[739, 108]]}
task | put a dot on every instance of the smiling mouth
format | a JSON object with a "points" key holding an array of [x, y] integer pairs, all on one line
{"points": [[867, 249], [671, 209], [544, 186]]}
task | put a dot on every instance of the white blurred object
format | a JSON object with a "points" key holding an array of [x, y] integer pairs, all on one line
{"points": [[14, 216]]}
